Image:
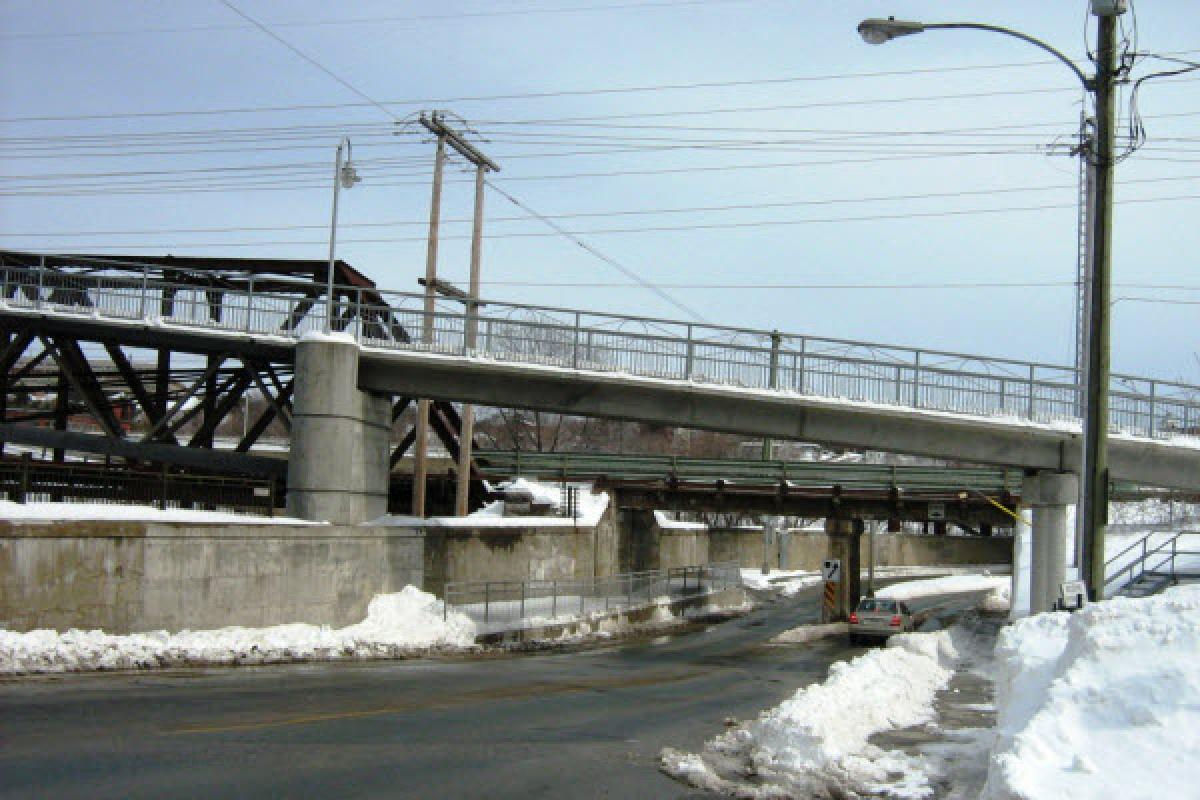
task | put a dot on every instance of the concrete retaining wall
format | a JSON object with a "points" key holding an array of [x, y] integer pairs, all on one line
{"points": [[518, 552], [806, 549], [130, 576]]}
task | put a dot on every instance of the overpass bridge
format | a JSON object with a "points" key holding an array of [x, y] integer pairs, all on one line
{"points": [[935, 403]]}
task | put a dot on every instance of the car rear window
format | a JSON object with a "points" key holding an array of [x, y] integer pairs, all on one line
{"points": [[876, 604]]}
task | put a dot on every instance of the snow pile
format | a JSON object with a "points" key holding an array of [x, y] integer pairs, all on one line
{"points": [[786, 582], [397, 624], [998, 587], [1101, 703], [591, 505], [815, 743]]}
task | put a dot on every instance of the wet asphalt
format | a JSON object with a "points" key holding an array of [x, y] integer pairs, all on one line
{"points": [[578, 724]]}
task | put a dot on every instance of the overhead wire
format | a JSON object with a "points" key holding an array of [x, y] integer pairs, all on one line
{"points": [[525, 208], [824, 201], [557, 230]]}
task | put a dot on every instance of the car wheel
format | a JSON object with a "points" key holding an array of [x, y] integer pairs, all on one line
{"points": [[854, 640]]}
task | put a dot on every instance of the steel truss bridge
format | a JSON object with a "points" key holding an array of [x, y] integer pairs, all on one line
{"points": [[217, 329]]}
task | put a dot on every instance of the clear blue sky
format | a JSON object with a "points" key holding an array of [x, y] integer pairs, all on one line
{"points": [[810, 98]]}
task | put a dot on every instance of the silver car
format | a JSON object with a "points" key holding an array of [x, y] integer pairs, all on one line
{"points": [[879, 618]]}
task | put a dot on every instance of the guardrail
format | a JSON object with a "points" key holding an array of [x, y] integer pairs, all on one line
{"points": [[1161, 558], [733, 471], [512, 605], [28, 481], [861, 372]]}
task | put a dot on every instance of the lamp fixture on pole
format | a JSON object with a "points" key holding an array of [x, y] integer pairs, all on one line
{"points": [[344, 177]]}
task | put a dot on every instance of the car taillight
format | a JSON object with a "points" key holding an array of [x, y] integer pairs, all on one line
{"points": [[896, 622], [853, 618]]}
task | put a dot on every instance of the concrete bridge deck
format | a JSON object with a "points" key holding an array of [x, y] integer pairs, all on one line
{"points": [[758, 383]]}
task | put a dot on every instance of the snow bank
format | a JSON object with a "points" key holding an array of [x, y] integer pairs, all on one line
{"points": [[62, 512], [815, 743], [591, 508], [786, 582], [789, 582], [998, 587], [397, 624], [1101, 703]]}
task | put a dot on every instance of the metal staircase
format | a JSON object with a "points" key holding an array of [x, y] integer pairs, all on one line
{"points": [[1153, 563]]}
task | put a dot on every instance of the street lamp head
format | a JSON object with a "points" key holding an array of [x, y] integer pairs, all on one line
{"points": [[348, 176], [878, 31]]}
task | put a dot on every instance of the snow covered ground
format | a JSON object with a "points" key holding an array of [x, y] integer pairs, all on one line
{"points": [[1101, 703], [63, 512], [1098, 704], [400, 624], [493, 515], [789, 582], [816, 743], [998, 588]]}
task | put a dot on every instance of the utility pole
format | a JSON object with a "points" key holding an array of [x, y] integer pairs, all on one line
{"points": [[1095, 426], [434, 122], [421, 441]]}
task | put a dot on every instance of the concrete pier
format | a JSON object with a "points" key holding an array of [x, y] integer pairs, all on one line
{"points": [[845, 544], [1048, 494], [338, 469]]}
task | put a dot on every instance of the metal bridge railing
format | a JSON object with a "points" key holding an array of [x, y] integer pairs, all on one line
{"points": [[512, 605], [573, 339]]}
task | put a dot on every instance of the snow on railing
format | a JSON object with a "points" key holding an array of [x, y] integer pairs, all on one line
{"points": [[586, 340]]}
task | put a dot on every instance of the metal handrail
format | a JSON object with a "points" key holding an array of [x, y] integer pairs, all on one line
{"points": [[568, 338], [512, 599], [1139, 562]]}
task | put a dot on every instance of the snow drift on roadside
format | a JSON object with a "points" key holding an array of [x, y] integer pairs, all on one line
{"points": [[815, 743], [1101, 703], [397, 624], [998, 587]]}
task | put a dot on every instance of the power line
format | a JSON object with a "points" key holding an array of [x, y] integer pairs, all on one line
{"points": [[303, 184], [602, 214], [304, 55], [602, 256], [838, 286], [562, 93], [558, 230], [378, 19]]}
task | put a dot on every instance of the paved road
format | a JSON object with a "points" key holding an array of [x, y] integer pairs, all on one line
{"points": [[579, 725]]}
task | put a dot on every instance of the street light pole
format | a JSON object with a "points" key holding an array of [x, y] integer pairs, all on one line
{"points": [[344, 175], [1094, 483]]}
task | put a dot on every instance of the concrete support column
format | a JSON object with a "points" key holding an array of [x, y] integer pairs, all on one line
{"points": [[339, 462], [1022, 560], [845, 544], [1048, 494]]}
